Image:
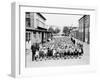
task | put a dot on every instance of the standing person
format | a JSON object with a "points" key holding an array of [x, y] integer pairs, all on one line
{"points": [[33, 48], [54, 53], [45, 52], [27, 47], [36, 55]]}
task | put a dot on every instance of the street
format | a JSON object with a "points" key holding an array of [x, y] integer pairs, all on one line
{"points": [[83, 60]]}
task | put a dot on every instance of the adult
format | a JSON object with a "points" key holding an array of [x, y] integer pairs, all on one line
{"points": [[33, 48], [28, 46]]}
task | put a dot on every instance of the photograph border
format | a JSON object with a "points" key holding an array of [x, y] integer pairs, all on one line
{"points": [[16, 64]]}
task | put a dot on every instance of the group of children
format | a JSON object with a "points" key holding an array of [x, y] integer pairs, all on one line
{"points": [[67, 52]]}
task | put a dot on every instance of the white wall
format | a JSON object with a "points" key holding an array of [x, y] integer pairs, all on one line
{"points": [[5, 39], [41, 21], [32, 19]]}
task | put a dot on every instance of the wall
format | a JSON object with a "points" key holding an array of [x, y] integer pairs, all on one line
{"points": [[84, 26], [5, 40], [41, 20], [81, 29], [87, 27]]}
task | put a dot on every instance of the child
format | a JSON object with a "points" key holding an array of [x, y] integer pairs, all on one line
{"points": [[37, 55], [54, 53], [45, 52]]}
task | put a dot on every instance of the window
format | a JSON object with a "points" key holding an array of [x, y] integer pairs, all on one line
{"points": [[27, 20], [28, 36], [27, 14], [34, 34]]}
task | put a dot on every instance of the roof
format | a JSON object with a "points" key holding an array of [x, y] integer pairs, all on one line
{"points": [[37, 30], [41, 16], [40, 28], [83, 17]]}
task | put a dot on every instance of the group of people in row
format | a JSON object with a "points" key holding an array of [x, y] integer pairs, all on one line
{"points": [[43, 52]]}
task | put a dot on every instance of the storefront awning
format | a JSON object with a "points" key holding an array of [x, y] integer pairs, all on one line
{"points": [[37, 29]]}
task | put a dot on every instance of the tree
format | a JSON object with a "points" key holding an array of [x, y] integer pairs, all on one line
{"points": [[66, 30], [51, 30], [57, 30]]}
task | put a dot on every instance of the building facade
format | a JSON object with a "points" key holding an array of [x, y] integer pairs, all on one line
{"points": [[84, 26], [36, 31]]}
